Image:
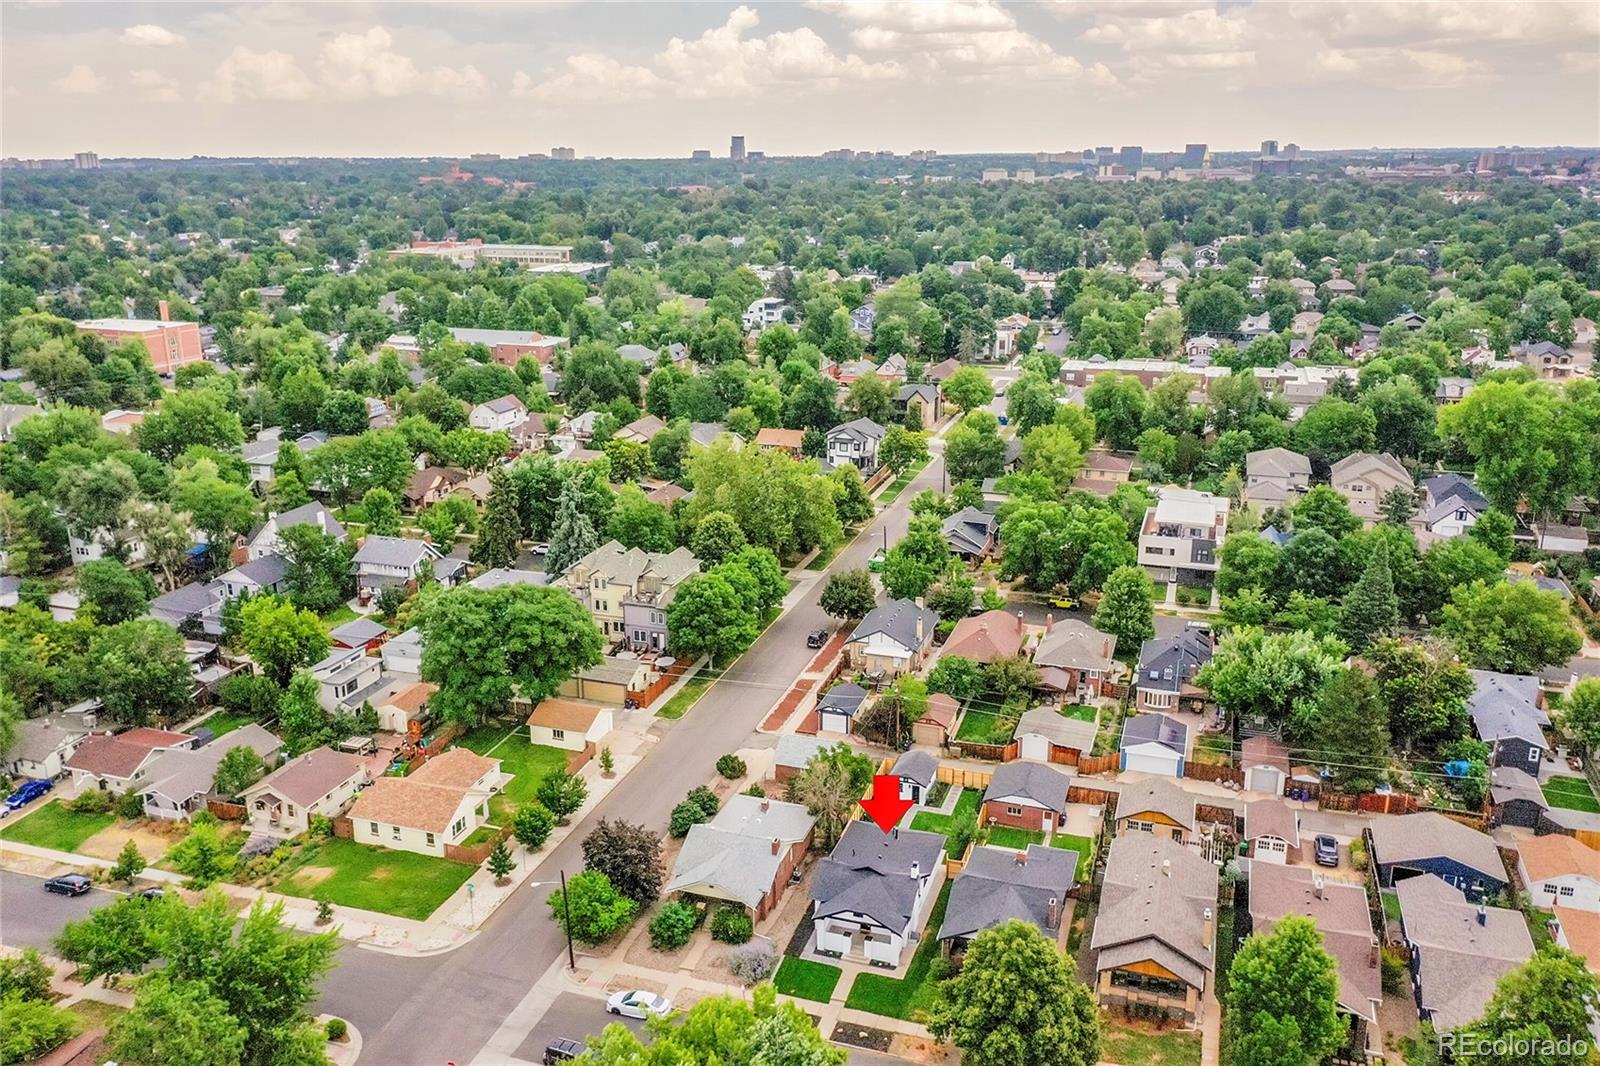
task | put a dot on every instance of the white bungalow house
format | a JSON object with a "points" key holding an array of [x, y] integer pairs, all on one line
{"points": [[567, 724], [320, 782], [870, 897], [440, 803]]}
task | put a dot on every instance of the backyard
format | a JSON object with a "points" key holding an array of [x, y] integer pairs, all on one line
{"points": [[530, 763], [966, 806], [57, 826], [909, 996], [1082, 845], [224, 722], [986, 727], [806, 979], [1573, 793], [1005, 836], [1083, 712], [401, 883]]}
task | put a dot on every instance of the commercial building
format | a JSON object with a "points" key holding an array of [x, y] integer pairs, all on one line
{"points": [[469, 253], [170, 344]]}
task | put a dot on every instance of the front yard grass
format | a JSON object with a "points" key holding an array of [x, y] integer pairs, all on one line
{"points": [[1135, 1045], [57, 826], [1082, 845], [966, 804], [679, 704], [530, 763], [401, 883], [1573, 793], [908, 997], [899, 484], [96, 1015], [806, 979]]}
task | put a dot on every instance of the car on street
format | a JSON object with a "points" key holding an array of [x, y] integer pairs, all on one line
{"points": [[1326, 850], [816, 638], [562, 1050], [26, 793], [639, 1004], [149, 893], [68, 885], [1000, 389]]}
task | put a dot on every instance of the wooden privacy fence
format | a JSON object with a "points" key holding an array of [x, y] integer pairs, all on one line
{"points": [[476, 854], [579, 759], [1209, 772], [651, 692], [999, 752], [1099, 764], [232, 812], [956, 775], [343, 828], [1096, 797]]}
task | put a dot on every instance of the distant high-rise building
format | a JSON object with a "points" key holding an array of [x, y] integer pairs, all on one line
{"points": [[1291, 151], [1132, 158], [563, 153], [700, 153], [756, 157], [485, 157], [1194, 156], [1105, 154], [86, 161], [736, 149], [1269, 148]]}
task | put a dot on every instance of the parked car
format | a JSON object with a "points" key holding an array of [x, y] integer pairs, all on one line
{"points": [[1066, 601], [26, 793], [69, 885], [562, 1050], [1327, 850], [639, 1004], [816, 638], [149, 893]]}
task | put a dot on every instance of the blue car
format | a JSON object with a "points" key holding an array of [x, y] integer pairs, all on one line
{"points": [[27, 793]]}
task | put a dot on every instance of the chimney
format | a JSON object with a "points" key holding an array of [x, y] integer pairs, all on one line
{"points": [[1022, 858], [895, 833], [1166, 867], [776, 844], [766, 805], [1049, 621], [164, 311], [919, 621], [1206, 929], [1483, 915], [1372, 954], [1318, 885], [1052, 914], [916, 869]]}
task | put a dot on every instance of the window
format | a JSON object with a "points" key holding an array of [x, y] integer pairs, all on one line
{"points": [[460, 824], [558, 734], [1566, 890], [374, 828], [1139, 826], [290, 809], [1014, 811], [430, 840], [1549, 889], [1533, 754], [396, 832]]}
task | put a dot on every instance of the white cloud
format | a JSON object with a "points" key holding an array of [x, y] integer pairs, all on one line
{"points": [[589, 75], [358, 65], [81, 80], [155, 86], [148, 34], [467, 83], [724, 61], [928, 16], [250, 75]]}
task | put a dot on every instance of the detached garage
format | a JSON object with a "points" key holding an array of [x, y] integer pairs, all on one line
{"points": [[1154, 744], [1266, 765], [1272, 829]]}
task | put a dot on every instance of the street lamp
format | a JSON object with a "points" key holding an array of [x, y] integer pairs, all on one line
{"points": [[566, 912]]}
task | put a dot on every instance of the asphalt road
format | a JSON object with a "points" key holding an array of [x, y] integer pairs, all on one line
{"points": [[30, 917]]}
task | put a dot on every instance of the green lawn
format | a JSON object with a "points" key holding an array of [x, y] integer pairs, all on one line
{"points": [[1005, 836], [910, 996], [530, 763], [966, 804], [1391, 905], [339, 616], [97, 1015], [806, 979], [401, 883], [1082, 845], [223, 723], [679, 705], [1573, 793], [1083, 712], [986, 727], [823, 557], [899, 484], [56, 826], [1122, 1043], [481, 835]]}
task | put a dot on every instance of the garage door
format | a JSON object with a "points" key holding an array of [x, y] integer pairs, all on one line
{"points": [[1268, 779], [1271, 849], [1153, 764], [1033, 746]]}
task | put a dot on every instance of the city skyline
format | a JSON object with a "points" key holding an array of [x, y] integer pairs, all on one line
{"points": [[960, 77]]}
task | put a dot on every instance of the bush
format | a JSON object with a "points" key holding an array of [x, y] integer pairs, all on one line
{"points": [[32, 1027], [337, 1029], [731, 766], [90, 801], [755, 790], [1358, 853], [705, 799], [685, 816], [732, 925], [320, 826], [324, 909], [753, 962], [673, 925], [1394, 972], [26, 976], [531, 825], [130, 805]]}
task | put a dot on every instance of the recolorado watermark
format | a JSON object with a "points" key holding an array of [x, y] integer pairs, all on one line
{"points": [[1467, 1045]]}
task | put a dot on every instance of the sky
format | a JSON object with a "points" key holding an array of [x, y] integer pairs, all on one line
{"points": [[663, 79]]}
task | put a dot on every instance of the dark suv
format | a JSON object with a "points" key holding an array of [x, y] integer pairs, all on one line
{"points": [[563, 1050], [816, 638]]}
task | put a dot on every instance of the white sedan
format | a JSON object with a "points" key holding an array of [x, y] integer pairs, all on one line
{"points": [[638, 1004]]}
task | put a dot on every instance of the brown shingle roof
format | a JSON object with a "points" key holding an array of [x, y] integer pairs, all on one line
{"points": [[941, 710], [311, 776], [404, 802], [1551, 856], [456, 768], [986, 637], [108, 757], [771, 437], [564, 714]]}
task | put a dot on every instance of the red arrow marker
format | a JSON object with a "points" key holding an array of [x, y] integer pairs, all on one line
{"points": [[885, 807]]}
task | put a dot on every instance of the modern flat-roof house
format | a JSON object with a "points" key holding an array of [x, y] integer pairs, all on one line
{"points": [[1451, 505], [894, 638], [1365, 478], [266, 539], [121, 762], [767, 311], [1275, 477], [1560, 873], [1340, 911], [987, 637], [1411, 845], [1164, 680], [1025, 795], [1507, 712], [397, 562], [998, 885], [855, 443], [745, 854], [320, 782], [567, 724], [1153, 743], [170, 344], [1181, 535], [178, 780], [1272, 830], [439, 803], [1156, 806], [1075, 659], [1154, 942], [1459, 950], [970, 534], [628, 590], [870, 897]]}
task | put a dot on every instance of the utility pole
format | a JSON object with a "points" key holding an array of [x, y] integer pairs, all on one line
{"points": [[566, 912]]}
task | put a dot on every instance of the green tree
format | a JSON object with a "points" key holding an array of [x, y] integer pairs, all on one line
{"points": [[1333, 428], [280, 637], [716, 537], [562, 793], [1371, 608], [1017, 1002], [973, 449], [240, 768], [301, 719], [185, 418], [829, 785], [200, 856], [968, 388], [1346, 731], [572, 535], [129, 863], [957, 677], [1580, 717], [500, 533], [29, 1028], [1551, 997], [1289, 976], [761, 1032], [1323, 508], [636, 522], [1054, 452], [316, 567], [1423, 690], [591, 909], [1117, 402], [1126, 607], [903, 448], [482, 646], [708, 616], [383, 513], [113, 592], [500, 862], [177, 1021], [119, 939], [1515, 628], [1269, 677], [849, 594], [141, 670], [532, 825]]}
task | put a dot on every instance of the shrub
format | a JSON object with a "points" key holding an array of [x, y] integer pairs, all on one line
{"points": [[672, 926], [1394, 972], [755, 790], [131, 805], [608, 762], [129, 863], [753, 962], [732, 925], [685, 816], [321, 826], [337, 1029], [26, 976], [324, 908], [705, 799], [1358, 853], [33, 1026], [597, 910], [91, 801], [731, 766]]}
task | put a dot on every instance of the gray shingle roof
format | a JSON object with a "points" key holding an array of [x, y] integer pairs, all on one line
{"points": [[1340, 911], [1408, 838], [731, 856], [1152, 906], [1460, 960], [796, 750], [1505, 706], [862, 429], [357, 631], [1034, 782], [844, 698], [1166, 664], [875, 873], [897, 620], [394, 551], [1159, 795], [1057, 728], [1148, 728], [1076, 644], [919, 766], [994, 888], [970, 530]]}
